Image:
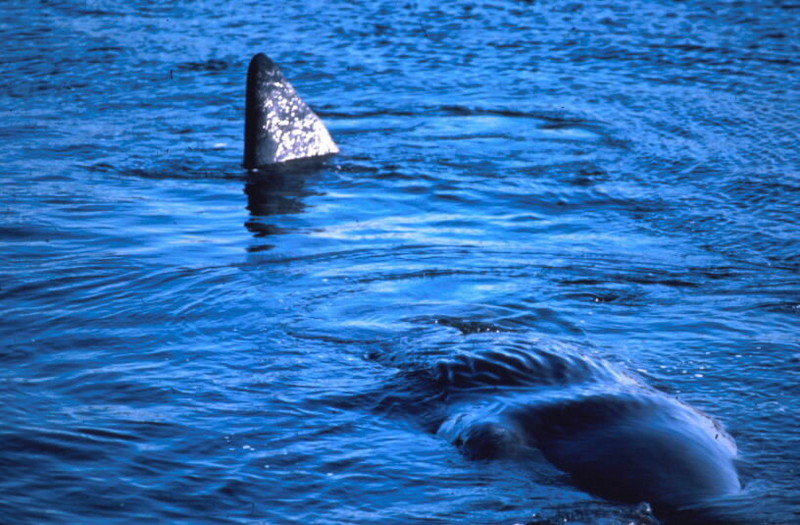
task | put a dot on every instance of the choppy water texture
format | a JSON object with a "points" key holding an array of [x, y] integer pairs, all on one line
{"points": [[182, 344]]}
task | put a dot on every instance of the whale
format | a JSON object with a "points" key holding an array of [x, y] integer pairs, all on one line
{"points": [[546, 405], [280, 129], [615, 436]]}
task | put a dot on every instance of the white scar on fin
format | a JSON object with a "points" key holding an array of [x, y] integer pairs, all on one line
{"points": [[279, 125]]}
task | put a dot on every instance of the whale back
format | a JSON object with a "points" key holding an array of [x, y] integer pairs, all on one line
{"points": [[617, 437], [279, 126]]}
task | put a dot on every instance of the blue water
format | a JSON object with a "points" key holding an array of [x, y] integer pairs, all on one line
{"points": [[184, 344]]}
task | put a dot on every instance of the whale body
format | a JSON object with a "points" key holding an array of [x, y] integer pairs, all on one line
{"points": [[280, 128], [615, 436]]}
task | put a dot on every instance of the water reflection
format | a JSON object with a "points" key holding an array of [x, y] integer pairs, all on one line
{"points": [[274, 193]]}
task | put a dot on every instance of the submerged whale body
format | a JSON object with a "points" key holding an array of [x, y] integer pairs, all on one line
{"points": [[280, 128], [616, 437]]}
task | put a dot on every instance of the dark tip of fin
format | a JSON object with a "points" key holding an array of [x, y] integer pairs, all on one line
{"points": [[279, 126]]}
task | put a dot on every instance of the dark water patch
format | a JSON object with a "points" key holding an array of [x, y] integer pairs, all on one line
{"points": [[52, 446], [30, 232], [210, 65], [609, 296], [423, 274], [468, 327], [106, 49], [645, 276], [789, 307]]}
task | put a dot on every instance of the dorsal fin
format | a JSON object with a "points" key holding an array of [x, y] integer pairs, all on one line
{"points": [[279, 125]]}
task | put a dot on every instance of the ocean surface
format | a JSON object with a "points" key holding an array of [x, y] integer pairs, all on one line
{"points": [[182, 342]]}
